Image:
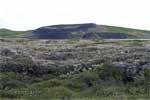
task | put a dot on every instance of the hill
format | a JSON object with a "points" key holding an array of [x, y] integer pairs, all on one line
{"points": [[78, 31], [87, 31], [13, 34]]}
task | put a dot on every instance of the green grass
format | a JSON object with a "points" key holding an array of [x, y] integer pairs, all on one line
{"points": [[11, 34], [103, 83], [122, 29]]}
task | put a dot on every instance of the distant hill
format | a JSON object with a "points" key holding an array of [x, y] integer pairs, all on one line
{"points": [[13, 34], [78, 31]]}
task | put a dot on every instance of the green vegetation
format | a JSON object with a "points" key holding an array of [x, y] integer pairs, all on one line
{"points": [[105, 82], [122, 29], [136, 43], [11, 34]]}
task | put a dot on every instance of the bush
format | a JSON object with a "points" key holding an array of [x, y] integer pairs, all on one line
{"points": [[82, 81], [110, 73]]}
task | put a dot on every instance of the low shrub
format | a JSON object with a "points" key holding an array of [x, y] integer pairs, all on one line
{"points": [[110, 73]]}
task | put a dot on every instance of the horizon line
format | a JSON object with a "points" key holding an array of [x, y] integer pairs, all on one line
{"points": [[75, 24]]}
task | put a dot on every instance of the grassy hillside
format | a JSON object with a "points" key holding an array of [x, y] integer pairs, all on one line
{"points": [[10, 34], [122, 29], [135, 32]]}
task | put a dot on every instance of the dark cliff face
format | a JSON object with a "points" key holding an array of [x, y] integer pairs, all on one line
{"points": [[61, 31], [82, 31]]}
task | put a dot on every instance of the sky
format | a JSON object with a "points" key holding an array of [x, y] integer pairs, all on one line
{"points": [[32, 14]]}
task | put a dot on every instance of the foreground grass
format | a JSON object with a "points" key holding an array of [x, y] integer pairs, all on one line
{"points": [[103, 83]]}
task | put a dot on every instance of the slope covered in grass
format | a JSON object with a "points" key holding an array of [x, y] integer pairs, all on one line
{"points": [[10, 34], [135, 32], [122, 29]]}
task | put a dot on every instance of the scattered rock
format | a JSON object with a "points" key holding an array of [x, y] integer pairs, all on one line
{"points": [[7, 52], [39, 58]]}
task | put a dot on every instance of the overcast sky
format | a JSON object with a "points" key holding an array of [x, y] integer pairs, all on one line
{"points": [[31, 14]]}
